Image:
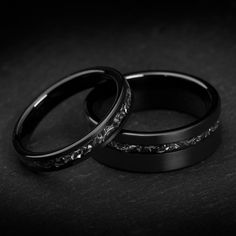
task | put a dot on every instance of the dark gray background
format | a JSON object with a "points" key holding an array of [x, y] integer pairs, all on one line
{"points": [[40, 46]]}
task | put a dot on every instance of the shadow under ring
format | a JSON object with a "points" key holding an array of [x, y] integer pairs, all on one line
{"points": [[169, 149]]}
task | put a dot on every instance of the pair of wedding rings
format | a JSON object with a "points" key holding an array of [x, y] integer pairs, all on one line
{"points": [[126, 149]]}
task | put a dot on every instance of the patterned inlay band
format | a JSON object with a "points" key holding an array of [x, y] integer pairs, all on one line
{"points": [[98, 139], [164, 148]]}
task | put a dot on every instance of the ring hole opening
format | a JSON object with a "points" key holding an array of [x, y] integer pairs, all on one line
{"points": [[158, 106], [62, 120]]}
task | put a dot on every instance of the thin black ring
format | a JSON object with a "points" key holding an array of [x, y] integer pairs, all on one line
{"points": [[165, 150], [103, 133]]}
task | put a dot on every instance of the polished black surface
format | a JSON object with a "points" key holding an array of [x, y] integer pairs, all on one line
{"points": [[51, 97], [90, 198], [161, 90]]}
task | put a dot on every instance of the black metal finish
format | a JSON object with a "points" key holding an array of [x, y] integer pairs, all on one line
{"points": [[173, 149], [103, 133]]}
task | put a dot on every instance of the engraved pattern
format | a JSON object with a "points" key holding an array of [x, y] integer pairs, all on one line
{"points": [[164, 148], [97, 140]]}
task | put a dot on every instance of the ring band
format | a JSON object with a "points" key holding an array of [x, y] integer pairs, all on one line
{"points": [[103, 133], [170, 149]]}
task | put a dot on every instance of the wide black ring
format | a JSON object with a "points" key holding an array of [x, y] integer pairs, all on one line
{"points": [[103, 133], [170, 149]]}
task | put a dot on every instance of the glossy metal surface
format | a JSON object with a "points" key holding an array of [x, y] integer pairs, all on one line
{"points": [[78, 151], [163, 90]]}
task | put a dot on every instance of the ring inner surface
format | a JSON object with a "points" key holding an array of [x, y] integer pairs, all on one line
{"points": [[57, 121], [156, 92]]}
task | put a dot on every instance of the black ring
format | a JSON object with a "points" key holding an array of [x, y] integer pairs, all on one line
{"points": [[103, 133], [170, 149]]}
